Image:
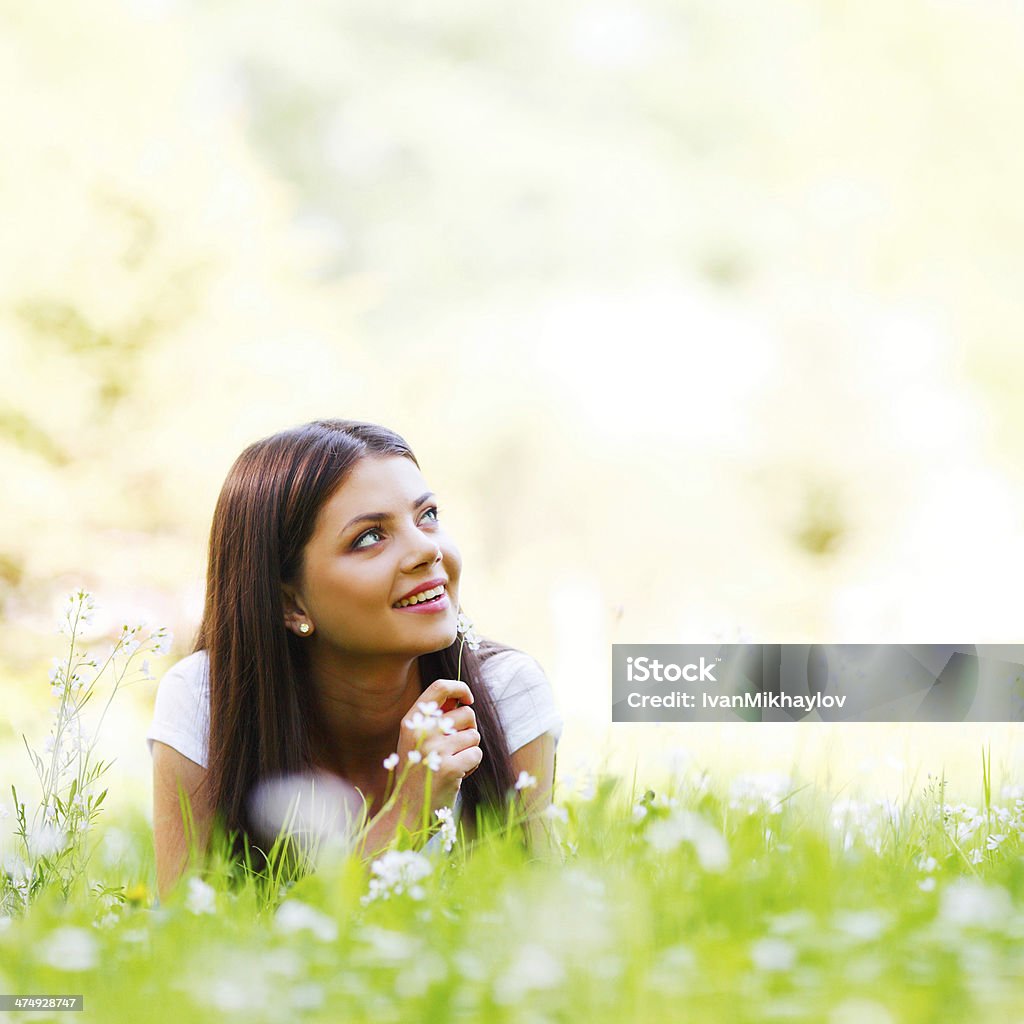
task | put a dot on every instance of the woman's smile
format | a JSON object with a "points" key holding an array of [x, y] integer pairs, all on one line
{"points": [[432, 601]]}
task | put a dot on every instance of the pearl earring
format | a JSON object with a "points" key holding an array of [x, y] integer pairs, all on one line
{"points": [[304, 628]]}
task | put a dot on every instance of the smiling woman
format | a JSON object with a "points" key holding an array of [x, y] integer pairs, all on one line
{"points": [[331, 613]]}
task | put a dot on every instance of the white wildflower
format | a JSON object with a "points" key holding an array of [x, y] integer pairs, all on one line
{"points": [[771, 954], [639, 812], [4, 813], [926, 884], [927, 864], [465, 627], [391, 761], [666, 834], [860, 1011], [70, 949], [427, 718], [415, 756], [433, 761], [47, 840], [556, 811], [294, 915], [163, 638], [864, 925], [448, 831], [994, 840], [447, 725], [968, 903], [533, 968], [397, 872], [525, 780], [756, 793], [202, 898]]}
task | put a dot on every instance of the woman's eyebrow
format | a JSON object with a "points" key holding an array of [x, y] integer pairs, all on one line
{"points": [[376, 517]]}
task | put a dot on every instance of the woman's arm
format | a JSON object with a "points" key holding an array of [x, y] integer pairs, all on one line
{"points": [[172, 770], [538, 758]]}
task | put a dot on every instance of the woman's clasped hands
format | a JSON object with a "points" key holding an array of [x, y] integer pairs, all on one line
{"points": [[441, 729]]}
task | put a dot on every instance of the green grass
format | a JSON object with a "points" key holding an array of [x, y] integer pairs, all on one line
{"points": [[826, 910]]}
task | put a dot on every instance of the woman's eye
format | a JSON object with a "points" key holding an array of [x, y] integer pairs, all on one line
{"points": [[435, 510], [359, 540]]}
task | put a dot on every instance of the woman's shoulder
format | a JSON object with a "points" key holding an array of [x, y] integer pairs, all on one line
{"points": [[522, 694], [508, 669], [190, 672]]}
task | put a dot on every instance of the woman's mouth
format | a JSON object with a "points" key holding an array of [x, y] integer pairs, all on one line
{"points": [[434, 600]]}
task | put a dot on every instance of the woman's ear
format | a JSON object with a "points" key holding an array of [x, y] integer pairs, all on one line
{"points": [[294, 609]]}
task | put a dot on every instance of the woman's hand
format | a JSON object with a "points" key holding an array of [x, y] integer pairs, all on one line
{"points": [[459, 751]]}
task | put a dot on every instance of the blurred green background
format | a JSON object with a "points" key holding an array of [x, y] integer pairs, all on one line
{"points": [[702, 318]]}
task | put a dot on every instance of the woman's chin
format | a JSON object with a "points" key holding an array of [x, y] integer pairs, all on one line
{"points": [[445, 642]]}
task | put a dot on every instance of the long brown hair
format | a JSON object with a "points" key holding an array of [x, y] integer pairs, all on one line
{"points": [[261, 698]]}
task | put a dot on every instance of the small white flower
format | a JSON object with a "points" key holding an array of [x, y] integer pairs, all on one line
{"points": [[994, 841], [681, 826], [556, 811], [397, 872], [447, 726], [533, 967], [465, 627], [977, 857], [391, 761], [771, 954], [47, 840], [972, 904], [202, 898], [294, 916], [926, 884], [427, 718], [162, 641], [415, 756], [448, 830], [639, 812], [525, 780], [70, 949], [433, 761]]}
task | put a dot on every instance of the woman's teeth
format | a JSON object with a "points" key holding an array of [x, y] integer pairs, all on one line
{"points": [[427, 595]]}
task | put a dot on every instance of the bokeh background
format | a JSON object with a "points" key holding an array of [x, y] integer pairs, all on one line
{"points": [[703, 318]]}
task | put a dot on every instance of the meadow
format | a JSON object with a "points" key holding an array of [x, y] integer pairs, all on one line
{"points": [[699, 899]]}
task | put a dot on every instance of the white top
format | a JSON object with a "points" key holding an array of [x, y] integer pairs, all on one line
{"points": [[522, 694]]}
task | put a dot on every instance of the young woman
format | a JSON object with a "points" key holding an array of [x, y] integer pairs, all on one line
{"points": [[331, 614]]}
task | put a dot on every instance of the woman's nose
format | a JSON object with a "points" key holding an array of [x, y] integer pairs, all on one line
{"points": [[425, 554]]}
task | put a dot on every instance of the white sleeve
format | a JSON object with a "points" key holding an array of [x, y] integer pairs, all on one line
{"points": [[181, 715], [523, 697]]}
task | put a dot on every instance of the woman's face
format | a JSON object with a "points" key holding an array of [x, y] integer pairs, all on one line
{"points": [[377, 539]]}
